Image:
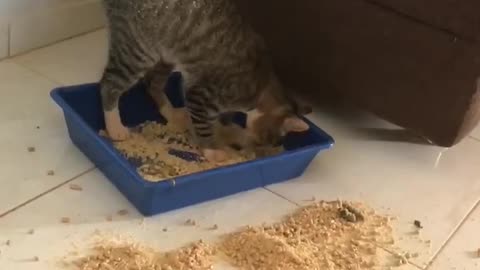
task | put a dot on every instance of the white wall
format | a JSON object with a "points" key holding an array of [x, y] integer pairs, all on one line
{"points": [[29, 24], [11, 8]]}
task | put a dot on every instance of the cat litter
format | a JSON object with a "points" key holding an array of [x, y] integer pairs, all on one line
{"points": [[31, 149], [190, 222], [50, 172], [117, 254], [313, 237], [65, 220], [164, 154], [418, 224], [29, 260], [76, 187], [122, 212]]}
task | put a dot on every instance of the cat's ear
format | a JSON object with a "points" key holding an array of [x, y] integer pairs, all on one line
{"points": [[295, 124], [305, 109], [301, 106]]}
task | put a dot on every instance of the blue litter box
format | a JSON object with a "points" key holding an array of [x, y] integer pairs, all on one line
{"points": [[84, 117]]}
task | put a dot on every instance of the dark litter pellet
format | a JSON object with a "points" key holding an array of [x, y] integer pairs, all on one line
{"points": [[185, 155], [418, 224]]}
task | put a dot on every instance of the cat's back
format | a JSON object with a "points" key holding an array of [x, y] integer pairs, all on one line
{"points": [[132, 7]]}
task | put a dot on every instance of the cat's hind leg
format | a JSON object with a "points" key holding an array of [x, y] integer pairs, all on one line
{"points": [[121, 73], [156, 81], [204, 115]]}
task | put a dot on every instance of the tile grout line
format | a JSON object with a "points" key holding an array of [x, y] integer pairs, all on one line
{"points": [[46, 192], [9, 38], [36, 72], [396, 254], [459, 226], [474, 138], [283, 197], [56, 42]]}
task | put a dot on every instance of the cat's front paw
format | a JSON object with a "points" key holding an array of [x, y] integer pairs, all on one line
{"points": [[115, 129], [118, 132], [179, 119], [215, 155]]}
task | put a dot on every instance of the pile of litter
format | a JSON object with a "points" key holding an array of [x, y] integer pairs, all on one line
{"points": [[163, 153], [325, 235], [128, 256]]}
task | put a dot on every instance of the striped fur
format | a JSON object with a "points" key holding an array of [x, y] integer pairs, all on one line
{"points": [[223, 62]]}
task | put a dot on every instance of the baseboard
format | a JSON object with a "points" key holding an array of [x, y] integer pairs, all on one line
{"points": [[38, 29], [3, 38]]}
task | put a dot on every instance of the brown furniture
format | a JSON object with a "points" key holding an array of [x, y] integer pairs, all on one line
{"points": [[413, 62]]}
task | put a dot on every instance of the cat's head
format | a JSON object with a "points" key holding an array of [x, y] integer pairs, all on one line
{"points": [[269, 128]]}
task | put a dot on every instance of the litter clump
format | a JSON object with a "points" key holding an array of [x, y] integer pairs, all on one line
{"points": [[33, 259], [122, 212], [50, 172], [418, 224], [161, 153], [31, 149], [65, 220], [349, 213], [190, 222], [76, 187]]}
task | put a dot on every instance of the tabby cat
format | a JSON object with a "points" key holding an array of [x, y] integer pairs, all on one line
{"points": [[224, 64]]}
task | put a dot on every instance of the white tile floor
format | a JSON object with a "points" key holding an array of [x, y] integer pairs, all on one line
{"points": [[439, 186]]}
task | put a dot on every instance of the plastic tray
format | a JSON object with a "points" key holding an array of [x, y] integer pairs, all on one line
{"points": [[84, 118]]}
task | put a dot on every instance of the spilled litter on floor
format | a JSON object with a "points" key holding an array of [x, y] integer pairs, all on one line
{"points": [[325, 235]]}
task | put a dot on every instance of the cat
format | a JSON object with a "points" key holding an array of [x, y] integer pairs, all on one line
{"points": [[224, 64], [237, 130]]}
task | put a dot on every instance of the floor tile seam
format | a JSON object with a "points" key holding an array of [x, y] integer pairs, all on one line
{"points": [[282, 197], [36, 72], [474, 138], [452, 235], [46, 192], [396, 254], [79, 35]]}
